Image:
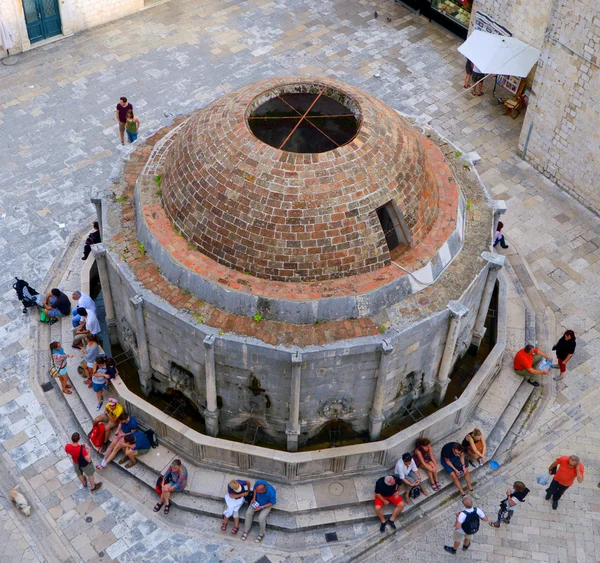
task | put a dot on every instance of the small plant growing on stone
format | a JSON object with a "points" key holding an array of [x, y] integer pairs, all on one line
{"points": [[466, 166], [159, 193], [469, 204], [458, 154], [317, 321], [221, 332], [186, 291], [257, 318], [158, 179], [141, 248], [123, 198], [382, 329]]}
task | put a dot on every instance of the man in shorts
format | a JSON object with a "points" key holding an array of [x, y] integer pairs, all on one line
{"points": [[453, 461], [82, 462], [407, 472], [110, 416], [386, 492], [121, 113], [136, 444], [466, 526]]}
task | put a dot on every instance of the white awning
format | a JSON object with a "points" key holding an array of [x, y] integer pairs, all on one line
{"points": [[497, 54]]}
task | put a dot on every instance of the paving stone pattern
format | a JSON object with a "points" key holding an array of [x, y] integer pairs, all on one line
{"points": [[59, 141]]}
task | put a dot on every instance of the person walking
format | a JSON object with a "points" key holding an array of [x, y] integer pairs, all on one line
{"points": [[82, 462], [527, 361], [499, 237], [564, 348], [466, 526], [59, 361], [514, 497], [132, 126], [174, 481], [565, 470], [263, 500], [468, 73], [121, 113]]}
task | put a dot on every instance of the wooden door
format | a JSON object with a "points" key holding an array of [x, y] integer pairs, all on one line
{"points": [[42, 18]]}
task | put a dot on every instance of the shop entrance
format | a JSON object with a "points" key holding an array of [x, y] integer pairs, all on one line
{"points": [[42, 18], [454, 15]]}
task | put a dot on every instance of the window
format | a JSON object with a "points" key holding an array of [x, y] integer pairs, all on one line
{"points": [[394, 228]]}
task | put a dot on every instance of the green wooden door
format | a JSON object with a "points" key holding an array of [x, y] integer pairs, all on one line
{"points": [[42, 18]]}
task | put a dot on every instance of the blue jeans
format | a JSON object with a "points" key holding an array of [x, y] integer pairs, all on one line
{"points": [[76, 319], [132, 136]]}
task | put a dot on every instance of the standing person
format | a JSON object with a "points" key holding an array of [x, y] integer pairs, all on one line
{"points": [[477, 79], [59, 359], [237, 493], [499, 237], [93, 238], [564, 348], [453, 461], [121, 113], [82, 462], [514, 497], [99, 380], [386, 491], [90, 326], [468, 73], [568, 468], [263, 500], [466, 526], [425, 458], [132, 126], [526, 362], [85, 301], [174, 481], [407, 472], [91, 352], [475, 447]]}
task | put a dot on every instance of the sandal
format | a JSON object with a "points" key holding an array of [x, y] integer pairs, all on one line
{"points": [[67, 392], [244, 536], [130, 465], [124, 460], [68, 386], [234, 531], [167, 507], [158, 506], [259, 538], [224, 527]]}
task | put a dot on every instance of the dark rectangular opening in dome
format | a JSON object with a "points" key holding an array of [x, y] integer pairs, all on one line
{"points": [[393, 225]]}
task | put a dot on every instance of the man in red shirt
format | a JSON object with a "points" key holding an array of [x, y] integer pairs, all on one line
{"points": [[569, 468], [82, 462], [121, 113], [526, 362]]}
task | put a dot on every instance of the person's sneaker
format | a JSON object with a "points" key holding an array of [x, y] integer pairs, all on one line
{"points": [[52, 321], [99, 406], [450, 549], [558, 378], [534, 383], [382, 527], [555, 366], [392, 525], [97, 486], [554, 504], [480, 463], [104, 448], [548, 495], [465, 547], [472, 463]]}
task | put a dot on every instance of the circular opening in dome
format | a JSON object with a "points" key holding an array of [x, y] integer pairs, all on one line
{"points": [[304, 118]]}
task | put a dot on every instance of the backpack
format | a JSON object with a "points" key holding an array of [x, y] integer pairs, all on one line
{"points": [[415, 492], [152, 437], [471, 524], [96, 435], [81, 461]]}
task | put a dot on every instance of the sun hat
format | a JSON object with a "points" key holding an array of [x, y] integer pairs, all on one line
{"points": [[235, 486], [112, 401]]}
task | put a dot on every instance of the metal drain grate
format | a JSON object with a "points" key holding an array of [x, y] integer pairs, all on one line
{"points": [[331, 536], [47, 386]]}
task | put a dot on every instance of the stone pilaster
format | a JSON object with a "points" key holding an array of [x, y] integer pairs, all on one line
{"points": [[496, 262], [99, 253], [376, 415], [98, 205], [211, 413], [457, 312], [145, 371], [293, 426]]}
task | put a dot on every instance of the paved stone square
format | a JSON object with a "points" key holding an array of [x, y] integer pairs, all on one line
{"points": [[58, 145]]}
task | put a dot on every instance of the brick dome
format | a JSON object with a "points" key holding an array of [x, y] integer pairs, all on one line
{"points": [[337, 185]]}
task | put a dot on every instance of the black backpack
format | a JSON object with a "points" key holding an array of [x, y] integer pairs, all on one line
{"points": [[471, 524], [152, 437], [415, 492]]}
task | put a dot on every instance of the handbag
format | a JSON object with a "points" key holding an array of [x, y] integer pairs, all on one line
{"points": [[159, 484], [44, 317], [54, 371]]}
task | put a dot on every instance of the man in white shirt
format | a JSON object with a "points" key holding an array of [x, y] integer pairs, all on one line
{"points": [[467, 525], [407, 471], [85, 301], [91, 325]]}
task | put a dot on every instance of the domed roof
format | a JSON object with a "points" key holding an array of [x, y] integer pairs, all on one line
{"points": [[338, 179]]}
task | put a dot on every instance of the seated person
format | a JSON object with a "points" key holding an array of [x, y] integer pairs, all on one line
{"points": [[264, 498], [238, 492], [127, 425], [425, 458], [526, 362], [474, 447], [407, 472], [174, 481], [110, 416], [92, 238], [136, 444], [453, 461], [386, 492], [89, 324], [56, 304], [84, 301]]}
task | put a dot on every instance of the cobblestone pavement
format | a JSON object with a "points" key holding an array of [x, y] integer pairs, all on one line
{"points": [[58, 143]]}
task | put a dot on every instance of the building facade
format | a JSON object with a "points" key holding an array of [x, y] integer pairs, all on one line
{"points": [[560, 131], [35, 21]]}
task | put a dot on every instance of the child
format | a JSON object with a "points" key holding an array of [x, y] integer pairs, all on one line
{"points": [[499, 237], [514, 497]]}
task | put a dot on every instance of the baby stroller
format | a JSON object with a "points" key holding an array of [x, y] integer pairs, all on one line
{"points": [[28, 296]]}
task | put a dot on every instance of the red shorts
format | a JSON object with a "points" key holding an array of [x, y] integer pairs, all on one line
{"points": [[395, 499], [562, 365]]}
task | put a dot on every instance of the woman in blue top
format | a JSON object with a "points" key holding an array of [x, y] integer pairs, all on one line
{"points": [[174, 481], [59, 360]]}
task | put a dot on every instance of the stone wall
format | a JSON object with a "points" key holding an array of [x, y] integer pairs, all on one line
{"points": [[76, 15], [254, 379]]}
